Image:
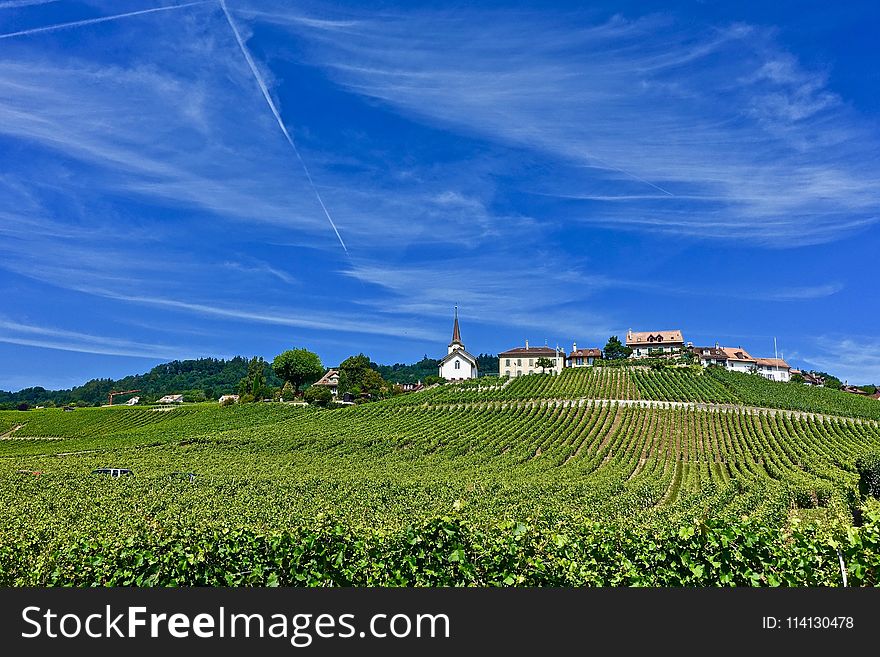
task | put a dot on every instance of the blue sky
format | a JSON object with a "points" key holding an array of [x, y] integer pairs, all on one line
{"points": [[561, 171]]}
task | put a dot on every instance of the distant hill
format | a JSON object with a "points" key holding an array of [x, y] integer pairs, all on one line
{"points": [[204, 378]]}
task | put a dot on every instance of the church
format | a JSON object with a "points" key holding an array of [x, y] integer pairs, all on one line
{"points": [[458, 364]]}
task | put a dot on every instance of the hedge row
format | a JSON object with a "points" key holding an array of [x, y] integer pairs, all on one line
{"points": [[448, 551]]}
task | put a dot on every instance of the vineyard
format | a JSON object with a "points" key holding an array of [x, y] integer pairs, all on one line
{"points": [[612, 476]]}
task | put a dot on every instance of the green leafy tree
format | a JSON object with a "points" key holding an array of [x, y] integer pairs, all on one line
{"points": [[797, 378], [372, 383], [287, 392], [433, 378], [832, 382], [298, 367], [615, 349], [351, 373], [318, 395], [544, 363], [254, 383]]}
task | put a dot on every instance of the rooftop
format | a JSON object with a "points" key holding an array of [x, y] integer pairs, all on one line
{"points": [[530, 351], [671, 336], [591, 352]]}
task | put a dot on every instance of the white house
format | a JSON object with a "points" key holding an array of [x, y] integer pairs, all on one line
{"points": [[739, 360], [329, 380], [652, 344], [582, 357], [774, 369], [710, 355], [523, 360], [457, 364], [171, 399]]}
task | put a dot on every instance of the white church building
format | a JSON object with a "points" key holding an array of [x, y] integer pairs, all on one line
{"points": [[458, 364]]}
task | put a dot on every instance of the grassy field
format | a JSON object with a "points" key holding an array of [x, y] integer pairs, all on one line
{"points": [[521, 469]]}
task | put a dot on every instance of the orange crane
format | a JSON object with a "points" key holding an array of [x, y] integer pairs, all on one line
{"points": [[119, 392]]}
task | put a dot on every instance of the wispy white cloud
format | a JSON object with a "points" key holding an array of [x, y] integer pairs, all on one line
{"points": [[94, 21], [851, 359], [18, 4], [547, 299], [168, 130], [258, 267], [313, 320], [799, 293], [749, 142], [31, 335], [547, 296]]}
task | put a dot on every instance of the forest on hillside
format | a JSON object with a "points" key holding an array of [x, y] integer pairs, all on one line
{"points": [[199, 380]]}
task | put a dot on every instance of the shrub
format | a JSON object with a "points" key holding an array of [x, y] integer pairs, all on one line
{"points": [[318, 395], [868, 467], [287, 392]]}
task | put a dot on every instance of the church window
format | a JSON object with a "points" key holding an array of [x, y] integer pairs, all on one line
{"points": [[458, 364]]}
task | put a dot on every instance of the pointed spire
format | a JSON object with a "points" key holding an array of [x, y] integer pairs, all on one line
{"points": [[456, 332]]}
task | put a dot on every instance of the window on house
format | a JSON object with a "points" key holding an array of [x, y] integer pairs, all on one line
{"points": [[531, 362], [519, 362], [507, 361], [580, 361], [458, 364]]}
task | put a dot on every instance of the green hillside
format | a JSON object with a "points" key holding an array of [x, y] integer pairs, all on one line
{"points": [[199, 378], [589, 477], [672, 384]]}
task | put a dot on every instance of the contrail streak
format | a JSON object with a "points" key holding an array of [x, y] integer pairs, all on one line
{"points": [[281, 125], [92, 21], [608, 165]]}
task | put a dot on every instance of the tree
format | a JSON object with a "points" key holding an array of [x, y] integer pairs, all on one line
{"points": [[288, 393], [351, 373], [544, 363], [433, 378], [615, 349], [372, 383], [254, 383], [318, 395], [832, 382], [297, 367], [797, 378]]}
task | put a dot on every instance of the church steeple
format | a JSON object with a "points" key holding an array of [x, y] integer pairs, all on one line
{"points": [[456, 335]]}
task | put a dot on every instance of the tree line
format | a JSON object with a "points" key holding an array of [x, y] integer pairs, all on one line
{"points": [[286, 377]]}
